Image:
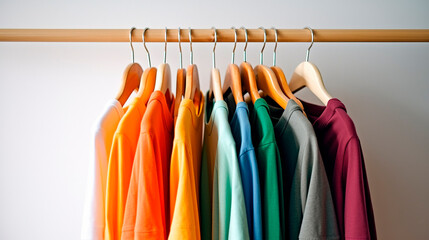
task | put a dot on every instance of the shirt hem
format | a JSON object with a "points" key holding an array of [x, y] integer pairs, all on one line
{"points": [[319, 238], [360, 238]]}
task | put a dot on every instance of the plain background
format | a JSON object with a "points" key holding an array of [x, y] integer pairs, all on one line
{"points": [[50, 93]]}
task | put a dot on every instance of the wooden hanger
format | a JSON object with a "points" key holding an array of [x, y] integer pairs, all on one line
{"points": [[233, 81], [180, 83], [163, 74], [281, 78], [130, 82], [215, 85], [163, 78], [267, 80], [248, 78], [180, 90], [147, 84], [232, 77], [248, 81], [308, 75], [148, 79], [215, 82], [131, 77], [192, 85]]}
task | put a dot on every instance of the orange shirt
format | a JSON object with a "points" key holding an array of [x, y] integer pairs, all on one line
{"points": [[185, 170], [120, 165], [147, 210]]}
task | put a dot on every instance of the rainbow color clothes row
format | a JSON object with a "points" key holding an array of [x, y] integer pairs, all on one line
{"points": [[258, 172]]}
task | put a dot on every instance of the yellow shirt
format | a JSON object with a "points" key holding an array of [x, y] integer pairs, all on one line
{"points": [[120, 166], [185, 171]]}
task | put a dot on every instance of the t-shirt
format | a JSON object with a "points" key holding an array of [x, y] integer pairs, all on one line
{"points": [[120, 166], [240, 127], [270, 170], [221, 192], [102, 133], [342, 155], [308, 201], [147, 208], [185, 171]]}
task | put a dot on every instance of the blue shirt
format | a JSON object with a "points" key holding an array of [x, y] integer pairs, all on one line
{"points": [[240, 127]]}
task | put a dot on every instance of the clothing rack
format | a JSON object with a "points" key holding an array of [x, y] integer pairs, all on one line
{"points": [[207, 35]]}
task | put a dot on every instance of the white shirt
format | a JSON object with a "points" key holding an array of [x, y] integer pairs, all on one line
{"points": [[101, 141]]}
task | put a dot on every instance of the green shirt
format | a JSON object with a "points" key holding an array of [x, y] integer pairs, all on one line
{"points": [[270, 171], [222, 206]]}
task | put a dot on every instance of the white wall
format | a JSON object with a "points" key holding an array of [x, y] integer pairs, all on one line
{"points": [[51, 92]]}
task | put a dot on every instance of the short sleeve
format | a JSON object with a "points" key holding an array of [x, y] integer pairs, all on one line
{"points": [[357, 200], [318, 213], [144, 215], [118, 176], [183, 195]]}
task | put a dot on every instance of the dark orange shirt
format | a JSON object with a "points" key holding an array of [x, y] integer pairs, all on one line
{"points": [[147, 209]]}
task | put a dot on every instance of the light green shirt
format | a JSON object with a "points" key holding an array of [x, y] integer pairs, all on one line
{"points": [[222, 207]]}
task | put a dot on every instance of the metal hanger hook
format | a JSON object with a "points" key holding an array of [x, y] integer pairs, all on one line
{"points": [[214, 48], [245, 46], [235, 45], [131, 41], [147, 51], [261, 55], [190, 45], [165, 46], [307, 56], [180, 49], [275, 47]]}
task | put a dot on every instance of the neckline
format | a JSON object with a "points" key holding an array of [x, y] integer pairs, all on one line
{"points": [[322, 114], [195, 112], [283, 122], [166, 108], [216, 105], [118, 107]]}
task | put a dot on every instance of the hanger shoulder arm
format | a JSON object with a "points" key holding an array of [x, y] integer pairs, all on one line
{"points": [[233, 81], [130, 82], [215, 85]]}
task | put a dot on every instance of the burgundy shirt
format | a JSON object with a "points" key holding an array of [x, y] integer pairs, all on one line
{"points": [[343, 159]]}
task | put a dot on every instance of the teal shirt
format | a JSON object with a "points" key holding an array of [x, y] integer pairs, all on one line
{"points": [[222, 205], [270, 171]]}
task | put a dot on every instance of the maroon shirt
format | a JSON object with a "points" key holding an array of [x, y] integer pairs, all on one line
{"points": [[345, 168]]}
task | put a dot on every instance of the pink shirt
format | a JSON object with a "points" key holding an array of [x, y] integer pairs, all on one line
{"points": [[343, 159]]}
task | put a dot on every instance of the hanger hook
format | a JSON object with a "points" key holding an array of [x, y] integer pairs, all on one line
{"points": [[165, 46], [214, 48], [261, 55], [245, 46], [275, 47], [131, 41], [180, 48], [144, 44], [307, 56], [190, 44], [235, 45]]}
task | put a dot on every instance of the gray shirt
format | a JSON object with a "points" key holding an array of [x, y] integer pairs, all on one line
{"points": [[309, 207]]}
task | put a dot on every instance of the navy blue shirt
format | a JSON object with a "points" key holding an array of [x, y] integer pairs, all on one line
{"points": [[240, 127]]}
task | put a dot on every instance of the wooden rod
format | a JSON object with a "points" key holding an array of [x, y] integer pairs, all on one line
{"points": [[207, 35]]}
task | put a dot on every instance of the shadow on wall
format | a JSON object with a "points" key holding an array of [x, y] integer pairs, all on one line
{"points": [[394, 137]]}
